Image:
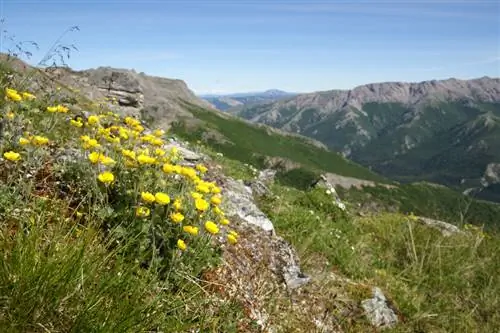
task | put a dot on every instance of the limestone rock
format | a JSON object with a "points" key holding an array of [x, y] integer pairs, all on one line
{"points": [[378, 310]]}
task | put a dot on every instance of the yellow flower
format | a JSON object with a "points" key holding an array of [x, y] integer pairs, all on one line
{"points": [[91, 143], [158, 132], [177, 217], [196, 195], [145, 159], [10, 115], [85, 138], [234, 233], [142, 211], [128, 153], [162, 198], [215, 200], [23, 141], [218, 211], [211, 227], [106, 177], [203, 188], [201, 168], [12, 95], [177, 204], [94, 157], [181, 245], [215, 189], [93, 120], [39, 140], [131, 121], [157, 142], [168, 168], [12, 156], [76, 123], [232, 239], [28, 96], [52, 109], [224, 222], [190, 230], [106, 160], [148, 197], [159, 152]]}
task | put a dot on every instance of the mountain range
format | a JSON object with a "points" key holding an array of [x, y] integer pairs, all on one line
{"points": [[443, 131], [225, 102]]}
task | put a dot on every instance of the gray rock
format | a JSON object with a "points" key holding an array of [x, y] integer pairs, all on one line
{"points": [[266, 175], [446, 229], [240, 202], [378, 310], [187, 154], [287, 264]]}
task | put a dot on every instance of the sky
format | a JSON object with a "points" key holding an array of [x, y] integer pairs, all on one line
{"points": [[227, 46]]}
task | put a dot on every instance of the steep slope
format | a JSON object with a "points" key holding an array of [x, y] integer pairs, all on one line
{"points": [[443, 131]]}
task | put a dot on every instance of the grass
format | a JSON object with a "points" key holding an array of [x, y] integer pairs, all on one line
{"points": [[84, 252], [439, 284], [431, 201], [95, 211]]}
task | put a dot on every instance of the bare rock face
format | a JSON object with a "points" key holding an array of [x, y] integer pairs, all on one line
{"points": [[379, 311], [445, 228]]}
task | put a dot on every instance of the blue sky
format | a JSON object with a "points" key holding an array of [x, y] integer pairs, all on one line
{"points": [[253, 45]]}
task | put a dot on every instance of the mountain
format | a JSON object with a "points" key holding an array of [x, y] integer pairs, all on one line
{"points": [[441, 131], [231, 101]]}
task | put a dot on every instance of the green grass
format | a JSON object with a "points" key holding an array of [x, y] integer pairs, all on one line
{"points": [[431, 201], [250, 144], [439, 284]]}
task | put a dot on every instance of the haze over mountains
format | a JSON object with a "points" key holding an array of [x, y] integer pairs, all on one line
{"points": [[225, 102], [443, 131]]}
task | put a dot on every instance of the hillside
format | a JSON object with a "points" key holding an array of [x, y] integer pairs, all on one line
{"points": [[112, 224], [234, 101], [439, 131]]}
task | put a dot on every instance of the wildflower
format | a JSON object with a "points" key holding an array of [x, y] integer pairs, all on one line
{"points": [[106, 177], [148, 197], [106, 160], [76, 123], [28, 96], [159, 152], [145, 159], [181, 245], [52, 109], [190, 230], [91, 143], [218, 211], [234, 233], [162, 198], [224, 222], [157, 142], [232, 239], [211, 227], [23, 141], [128, 153], [94, 157], [58, 108], [201, 168], [142, 211], [203, 188], [158, 132], [215, 200], [93, 120], [13, 95], [39, 140], [177, 217], [10, 115], [215, 189], [177, 204], [12, 156], [196, 195], [85, 138], [131, 121]]}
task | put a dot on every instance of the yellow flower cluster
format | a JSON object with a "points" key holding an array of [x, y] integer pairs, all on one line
{"points": [[118, 146]]}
